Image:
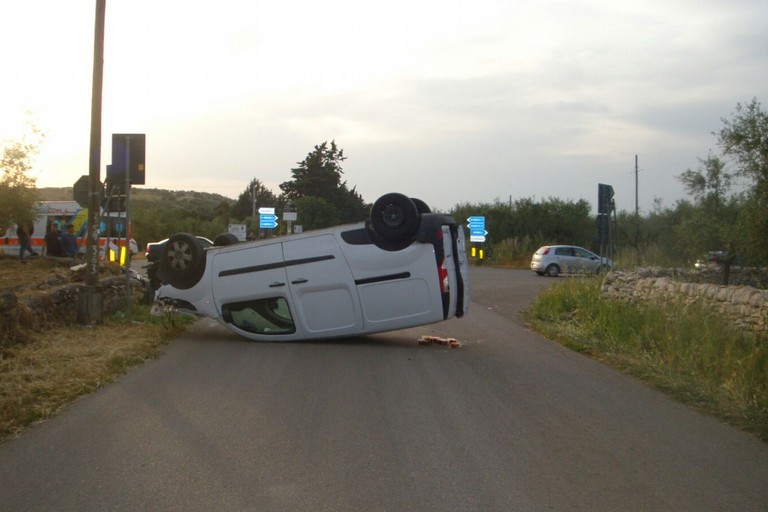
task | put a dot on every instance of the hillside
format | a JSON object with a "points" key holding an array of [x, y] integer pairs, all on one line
{"points": [[147, 195], [156, 213]]}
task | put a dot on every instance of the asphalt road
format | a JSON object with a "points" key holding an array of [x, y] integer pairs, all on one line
{"points": [[509, 421]]}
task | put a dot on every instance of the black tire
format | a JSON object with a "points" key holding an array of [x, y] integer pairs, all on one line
{"points": [[421, 206], [395, 217], [182, 262], [553, 270], [223, 239]]}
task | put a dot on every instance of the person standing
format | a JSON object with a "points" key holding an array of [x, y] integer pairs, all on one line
{"points": [[69, 241], [24, 242], [53, 245]]}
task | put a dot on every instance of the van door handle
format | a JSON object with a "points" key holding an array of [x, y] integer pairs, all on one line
{"points": [[276, 284], [300, 281]]}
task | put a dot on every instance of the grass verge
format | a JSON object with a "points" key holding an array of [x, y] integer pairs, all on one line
{"points": [[39, 377], [688, 352]]}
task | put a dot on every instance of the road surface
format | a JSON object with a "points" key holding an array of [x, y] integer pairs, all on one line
{"points": [[509, 421]]}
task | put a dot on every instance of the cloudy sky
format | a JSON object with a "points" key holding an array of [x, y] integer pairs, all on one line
{"points": [[448, 101]]}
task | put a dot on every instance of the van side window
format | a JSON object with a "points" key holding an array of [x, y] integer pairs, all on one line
{"points": [[262, 316]]}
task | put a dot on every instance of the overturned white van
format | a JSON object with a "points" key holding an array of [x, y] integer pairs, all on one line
{"points": [[404, 267]]}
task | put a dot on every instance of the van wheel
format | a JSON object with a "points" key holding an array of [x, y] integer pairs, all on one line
{"points": [[223, 239], [182, 262], [395, 217], [421, 206]]}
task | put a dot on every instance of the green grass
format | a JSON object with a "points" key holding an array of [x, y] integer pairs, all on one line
{"points": [[689, 352]]}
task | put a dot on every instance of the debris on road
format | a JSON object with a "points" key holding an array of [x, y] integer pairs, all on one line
{"points": [[428, 340]]}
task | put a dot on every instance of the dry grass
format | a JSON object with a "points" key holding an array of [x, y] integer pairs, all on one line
{"points": [[39, 377]]}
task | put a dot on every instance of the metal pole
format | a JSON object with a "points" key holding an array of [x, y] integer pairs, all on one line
{"points": [[127, 220], [637, 205], [89, 301], [637, 216]]}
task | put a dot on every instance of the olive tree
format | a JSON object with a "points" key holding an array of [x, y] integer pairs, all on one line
{"points": [[744, 138], [18, 194], [710, 224]]}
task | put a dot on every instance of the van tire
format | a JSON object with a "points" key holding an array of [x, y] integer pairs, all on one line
{"points": [[421, 206], [395, 217], [182, 262]]}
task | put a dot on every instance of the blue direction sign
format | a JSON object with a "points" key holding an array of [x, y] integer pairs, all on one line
{"points": [[477, 230], [267, 221], [476, 222]]}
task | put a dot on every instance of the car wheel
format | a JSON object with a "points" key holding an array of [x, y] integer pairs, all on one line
{"points": [[553, 270], [182, 261], [395, 217], [421, 206], [225, 239]]}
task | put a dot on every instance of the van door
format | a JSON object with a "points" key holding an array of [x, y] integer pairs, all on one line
{"points": [[251, 291], [322, 287]]}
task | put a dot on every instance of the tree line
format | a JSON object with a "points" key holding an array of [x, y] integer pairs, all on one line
{"points": [[726, 209], [718, 216]]}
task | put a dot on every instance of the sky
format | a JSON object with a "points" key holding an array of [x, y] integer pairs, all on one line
{"points": [[451, 102]]}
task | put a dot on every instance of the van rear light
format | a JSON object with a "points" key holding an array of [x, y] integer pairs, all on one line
{"points": [[442, 274]]}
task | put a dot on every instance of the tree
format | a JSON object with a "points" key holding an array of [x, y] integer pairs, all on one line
{"points": [[319, 175], [745, 138], [708, 184], [711, 224], [18, 194], [256, 193], [316, 213]]}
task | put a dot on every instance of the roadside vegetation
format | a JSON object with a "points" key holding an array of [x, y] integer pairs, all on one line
{"points": [[688, 352], [53, 367]]}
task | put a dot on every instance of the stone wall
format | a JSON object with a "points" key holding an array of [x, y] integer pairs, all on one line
{"points": [[58, 307], [746, 306]]}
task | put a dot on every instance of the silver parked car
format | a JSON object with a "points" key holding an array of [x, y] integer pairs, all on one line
{"points": [[404, 267], [551, 260]]}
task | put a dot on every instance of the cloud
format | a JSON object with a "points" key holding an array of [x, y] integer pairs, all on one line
{"points": [[446, 101]]}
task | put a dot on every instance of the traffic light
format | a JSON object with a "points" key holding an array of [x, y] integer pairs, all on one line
{"points": [[120, 144], [604, 198]]}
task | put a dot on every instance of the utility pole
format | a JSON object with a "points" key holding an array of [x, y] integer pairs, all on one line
{"points": [[637, 215], [90, 300], [637, 206]]}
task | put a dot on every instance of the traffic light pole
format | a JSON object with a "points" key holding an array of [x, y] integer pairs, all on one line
{"points": [[127, 220]]}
